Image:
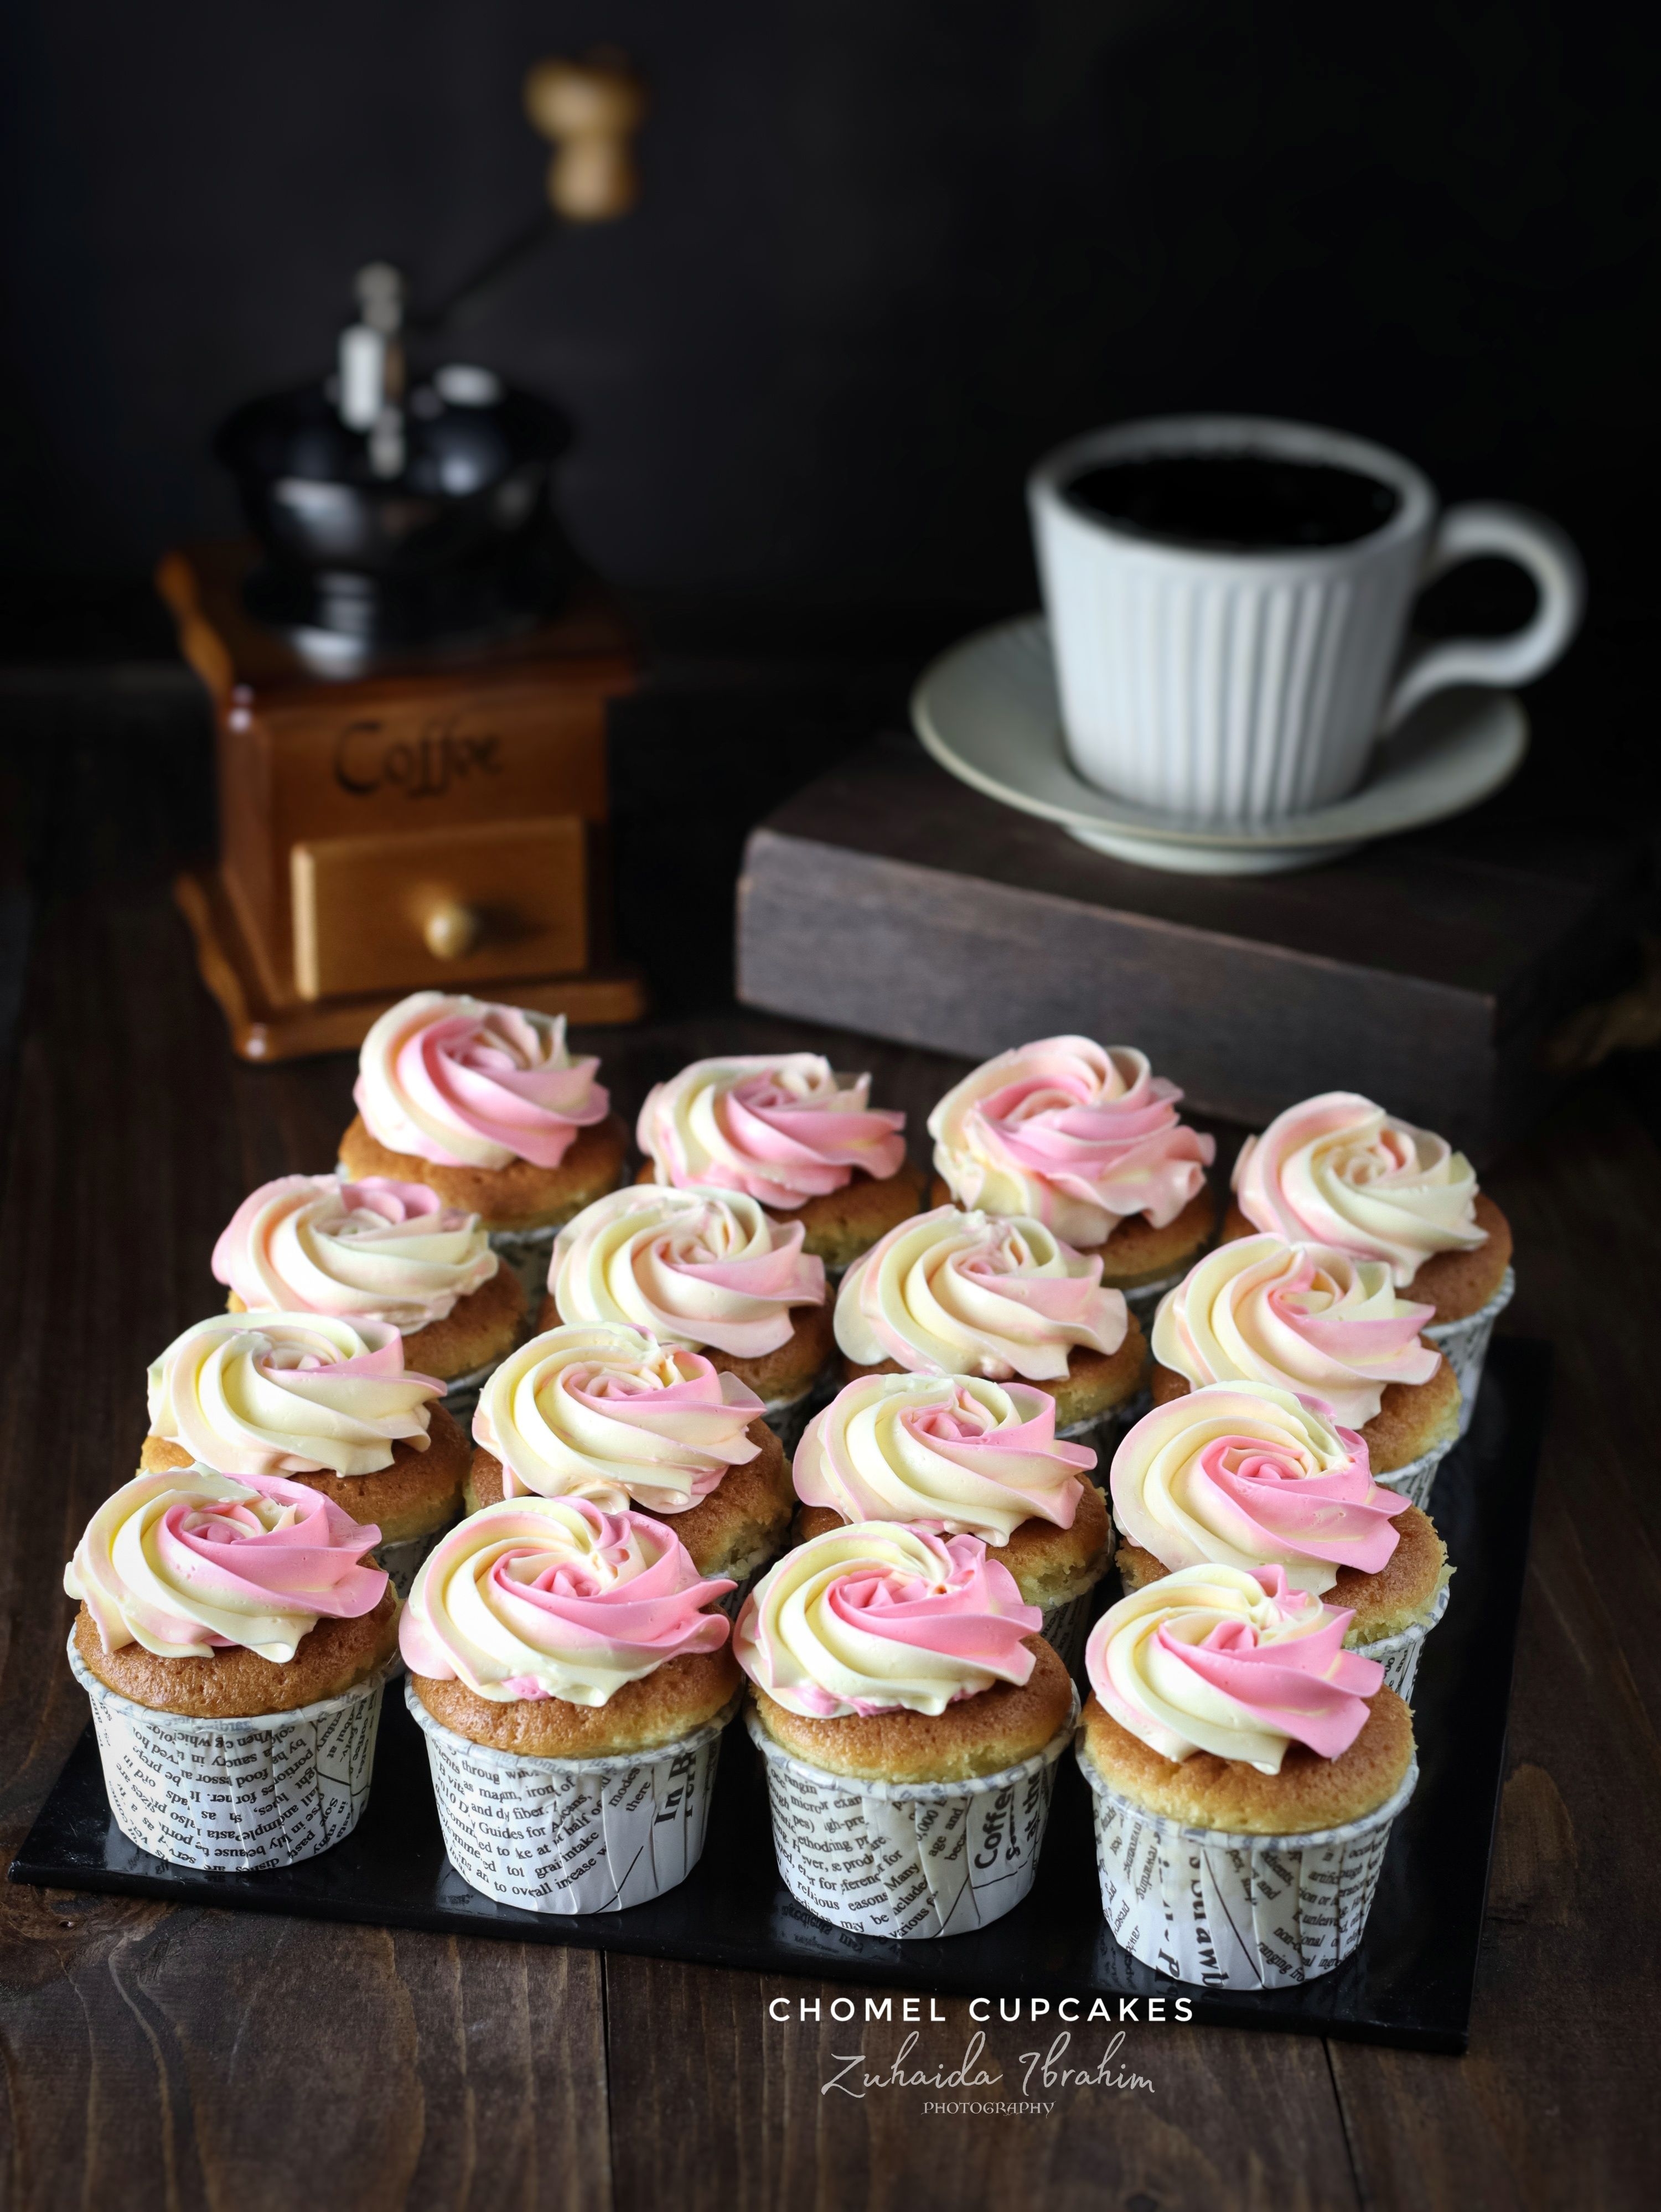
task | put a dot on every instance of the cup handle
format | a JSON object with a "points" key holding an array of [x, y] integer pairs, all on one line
{"points": [[1539, 546]]}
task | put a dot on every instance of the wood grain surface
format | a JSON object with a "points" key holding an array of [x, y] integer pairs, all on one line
{"points": [[158, 2057]]}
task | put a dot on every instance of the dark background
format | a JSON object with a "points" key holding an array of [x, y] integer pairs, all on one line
{"points": [[889, 250]]}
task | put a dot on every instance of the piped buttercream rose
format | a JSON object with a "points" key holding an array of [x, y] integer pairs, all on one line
{"points": [[781, 1128], [1077, 1135], [1246, 1475], [880, 1618], [188, 1562], [551, 1597], [956, 1453], [372, 1250], [692, 1267], [976, 1294], [469, 1085], [290, 1394], [606, 1413], [1308, 1317], [1215, 1659], [1339, 1171]]}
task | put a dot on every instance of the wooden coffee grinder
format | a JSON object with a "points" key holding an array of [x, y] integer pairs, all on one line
{"points": [[408, 672]]}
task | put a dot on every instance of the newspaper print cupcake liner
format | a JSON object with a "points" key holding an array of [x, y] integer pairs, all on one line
{"points": [[236, 1796], [1399, 1654], [1065, 1626], [1227, 1911], [1143, 1298], [403, 1561], [732, 1604], [528, 1253], [908, 1859], [461, 1392], [788, 1417], [1465, 1345], [1105, 1432], [1417, 1479], [572, 1835]]}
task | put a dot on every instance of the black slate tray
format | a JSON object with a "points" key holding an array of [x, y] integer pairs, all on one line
{"points": [[1410, 1983]]}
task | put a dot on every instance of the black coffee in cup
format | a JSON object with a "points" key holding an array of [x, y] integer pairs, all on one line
{"points": [[1234, 502]]}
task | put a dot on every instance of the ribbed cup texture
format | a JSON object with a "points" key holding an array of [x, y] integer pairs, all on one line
{"points": [[1212, 693]]}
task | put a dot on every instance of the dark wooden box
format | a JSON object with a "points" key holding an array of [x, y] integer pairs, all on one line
{"points": [[1432, 975]]}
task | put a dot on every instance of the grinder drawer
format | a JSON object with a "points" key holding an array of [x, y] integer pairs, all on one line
{"points": [[440, 908]]}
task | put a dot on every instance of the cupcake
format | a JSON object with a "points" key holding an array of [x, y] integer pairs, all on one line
{"points": [[955, 1293], [572, 1683], [484, 1105], [1087, 1139], [782, 1128], [911, 1720], [963, 1456], [705, 1271], [326, 1401], [375, 1251], [1243, 1475], [1246, 1770], [1325, 1326], [234, 1643], [609, 1414], [1338, 1171]]}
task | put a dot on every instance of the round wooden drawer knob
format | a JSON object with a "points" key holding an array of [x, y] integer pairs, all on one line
{"points": [[450, 930]]}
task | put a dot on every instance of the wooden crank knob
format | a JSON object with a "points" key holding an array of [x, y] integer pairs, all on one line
{"points": [[590, 110]]}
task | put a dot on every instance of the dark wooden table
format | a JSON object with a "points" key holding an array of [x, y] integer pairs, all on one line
{"points": [[158, 2057]]}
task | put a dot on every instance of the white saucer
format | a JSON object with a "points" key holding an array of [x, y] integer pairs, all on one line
{"points": [[988, 712]]}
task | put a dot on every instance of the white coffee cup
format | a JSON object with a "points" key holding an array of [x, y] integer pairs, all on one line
{"points": [[1242, 687]]}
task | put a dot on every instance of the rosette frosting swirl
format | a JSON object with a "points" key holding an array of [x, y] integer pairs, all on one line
{"points": [[605, 1412], [976, 1294], [1078, 1135], [692, 1267], [290, 1394], [374, 1251], [1239, 1665], [1241, 1474], [468, 1085], [1306, 1317], [880, 1618], [961, 1453], [1339, 1171], [779, 1126], [550, 1597], [188, 1562]]}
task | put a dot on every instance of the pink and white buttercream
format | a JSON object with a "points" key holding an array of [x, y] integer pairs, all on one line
{"points": [[1338, 1171], [1217, 1659], [465, 1084], [188, 1561], [976, 1294], [959, 1454], [880, 1618], [779, 1126], [1306, 1317], [605, 1412], [1079, 1135], [372, 1250], [695, 1267], [1243, 1475], [551, 1597], [290, 1394]]}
